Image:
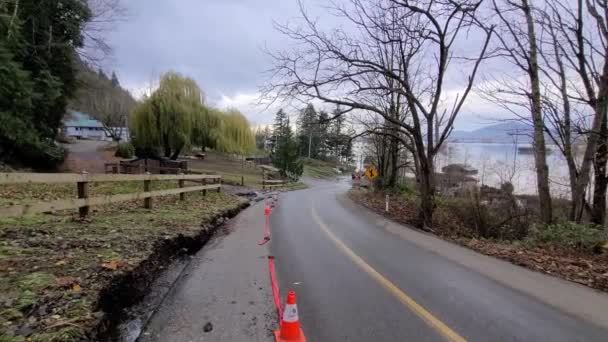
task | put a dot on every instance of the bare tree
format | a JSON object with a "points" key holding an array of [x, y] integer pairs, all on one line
{"points": [[392, 149], [349, 68], [112, 107], [557, 107], [583, 45], [518, 44], [105, 14], [109, 104]]}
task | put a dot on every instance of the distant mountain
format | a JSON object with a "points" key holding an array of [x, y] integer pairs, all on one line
{"points": [[499, 133]]}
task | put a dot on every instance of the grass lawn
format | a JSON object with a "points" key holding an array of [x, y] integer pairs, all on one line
{"points": [[232, 170], [320, 169], [52, 267]]}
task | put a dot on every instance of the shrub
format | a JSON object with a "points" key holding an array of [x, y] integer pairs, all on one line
{"points": [[503, 220], [125, 150], [568, 235]]}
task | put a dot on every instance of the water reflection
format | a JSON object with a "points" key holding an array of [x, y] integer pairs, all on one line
{"points": [[498, 163]]}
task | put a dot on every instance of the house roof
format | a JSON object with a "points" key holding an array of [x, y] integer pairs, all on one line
{"points": [[78, 119], [459, 167], [441, 177]]}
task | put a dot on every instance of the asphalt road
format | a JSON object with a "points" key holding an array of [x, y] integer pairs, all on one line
{"points": [[361, 278]]}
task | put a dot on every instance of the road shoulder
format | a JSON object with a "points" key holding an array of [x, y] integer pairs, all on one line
{"points": [[575, 299], [224, 294]]}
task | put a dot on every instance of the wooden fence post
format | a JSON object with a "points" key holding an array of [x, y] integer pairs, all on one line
{"points": [[147, 200], [204, 183], [219, 189], [242, 180], [182, 196], [83, 192]]}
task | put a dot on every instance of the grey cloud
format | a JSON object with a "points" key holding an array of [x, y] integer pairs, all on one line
{"points": [[217, 42]]}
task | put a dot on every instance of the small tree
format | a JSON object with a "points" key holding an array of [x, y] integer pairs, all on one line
{"points": [[286, 157]]}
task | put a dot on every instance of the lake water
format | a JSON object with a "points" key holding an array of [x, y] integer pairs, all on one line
{"points": [[498, 163]]}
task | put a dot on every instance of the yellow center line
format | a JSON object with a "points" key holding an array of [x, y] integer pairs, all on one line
{"points": [[406, 300]]}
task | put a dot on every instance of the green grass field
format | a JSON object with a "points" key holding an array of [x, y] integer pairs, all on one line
{"points": [[233, 170], [320, 169], [52, 267]]}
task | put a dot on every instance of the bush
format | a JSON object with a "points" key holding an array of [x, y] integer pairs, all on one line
{"points": [[125, 150], [503, 220], [568, 235]]}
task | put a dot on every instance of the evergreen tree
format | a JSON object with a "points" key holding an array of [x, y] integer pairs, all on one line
{"points": [[338, 143], [38, 42], [323, 149], [279, 123], [115, 82], [262, 137], [286, 157], [308, 137]]}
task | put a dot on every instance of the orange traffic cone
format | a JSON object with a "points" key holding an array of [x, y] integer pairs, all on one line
{"points": [[290, 324]]}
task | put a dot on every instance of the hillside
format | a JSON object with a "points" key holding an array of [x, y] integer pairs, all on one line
{"points": [[499, 133]]}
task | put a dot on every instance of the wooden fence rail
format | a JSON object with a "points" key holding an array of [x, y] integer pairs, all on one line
{"points": [[83, 202], [270, 183]]}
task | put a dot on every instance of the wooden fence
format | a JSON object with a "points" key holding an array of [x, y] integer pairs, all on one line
{"points": [[273, 183], [127, 168], [84, 202]]}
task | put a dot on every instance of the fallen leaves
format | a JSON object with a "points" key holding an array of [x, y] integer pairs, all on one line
{"points": [[60, 266], [585, 269], [65, 281], [589, 270], [112, 265]]}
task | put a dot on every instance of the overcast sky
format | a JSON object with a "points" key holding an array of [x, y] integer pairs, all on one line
{"points": [[220, 43]]}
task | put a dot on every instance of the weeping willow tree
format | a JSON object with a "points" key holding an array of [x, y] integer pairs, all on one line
{"points": [[174, 118], [235, 134], [169, 117], [206, 128]]}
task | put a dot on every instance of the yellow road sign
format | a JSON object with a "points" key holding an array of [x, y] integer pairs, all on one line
{"points": [[371, 172]]}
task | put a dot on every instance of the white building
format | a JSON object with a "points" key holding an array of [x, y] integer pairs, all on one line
{"points": [[81, 126]]}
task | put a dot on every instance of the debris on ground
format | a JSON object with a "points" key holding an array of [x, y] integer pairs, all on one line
{"points": [[583, 268], [54, 267]]}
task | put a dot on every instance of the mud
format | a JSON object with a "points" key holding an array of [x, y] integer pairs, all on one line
{"points": [[118, 300]]}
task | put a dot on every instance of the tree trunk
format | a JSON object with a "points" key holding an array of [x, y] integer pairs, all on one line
{"points": [[566, 125], [394, 160], [166, 146], [599, 104], [540, 152], [572, 174], [427, 193], [176, 153], [598, 211]]}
